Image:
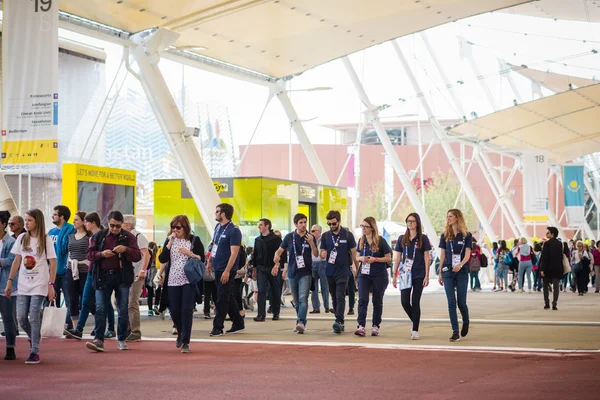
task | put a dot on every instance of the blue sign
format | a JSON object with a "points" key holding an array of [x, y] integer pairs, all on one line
{"points": [[573, 185]]}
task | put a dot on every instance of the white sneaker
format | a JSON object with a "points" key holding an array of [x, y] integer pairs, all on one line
{"points": [[300, 327], [123, 346], [414, 335]]}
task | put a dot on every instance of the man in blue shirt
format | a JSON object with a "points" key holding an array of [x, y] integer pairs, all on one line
{"points": [[60, 236], [338, 248], [301, 247], [227, 241]]}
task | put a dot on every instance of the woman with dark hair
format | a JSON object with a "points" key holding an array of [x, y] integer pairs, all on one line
{"points": [[412, 249], [180, 245], [537, 278], [502, 270], [494, 254], [149, 280], [35, 262], [373, 252], [455, 251], [77, 265]]}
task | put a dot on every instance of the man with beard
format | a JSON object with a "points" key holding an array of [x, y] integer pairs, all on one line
{"points": [[265, 247]]}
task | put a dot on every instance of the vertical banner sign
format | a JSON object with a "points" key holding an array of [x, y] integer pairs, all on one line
{"points": [[30, 82], [573, 189], [535, 187]]}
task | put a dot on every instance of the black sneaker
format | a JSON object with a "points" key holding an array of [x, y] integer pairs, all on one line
{"points": [[317, 311], [33, 359], [455, 337], [465, 330], [73, 334], [546, 307], [275, 317], [327, 310], [95, 345], [216, 332], [236, 329], [554, 308], [178, 342], [10, 354], [351, 311], [269, 310], [259, 318]]}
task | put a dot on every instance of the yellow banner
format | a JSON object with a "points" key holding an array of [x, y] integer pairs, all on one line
{"points": [[536, 218], [92, 173], [30, 152]]}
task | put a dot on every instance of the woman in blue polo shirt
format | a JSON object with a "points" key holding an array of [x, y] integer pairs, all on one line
{"points": [[456, 244], [412, 249], [373, 252]]}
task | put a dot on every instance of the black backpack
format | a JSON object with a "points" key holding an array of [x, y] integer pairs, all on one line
{"points": [[241, 257]]}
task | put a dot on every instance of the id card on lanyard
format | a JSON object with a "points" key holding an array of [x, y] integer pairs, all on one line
{"points": [[217, 238], [334, 252], [456, 258], [408, 262], [299, 258], [365, 268]]}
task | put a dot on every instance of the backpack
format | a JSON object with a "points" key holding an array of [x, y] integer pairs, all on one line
{"points": [[510, 260], [483, 261], [241, 261]]}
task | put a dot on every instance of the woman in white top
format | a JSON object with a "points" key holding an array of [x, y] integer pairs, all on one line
{"points": [[35, 261], [524, 252], [180, 245]]}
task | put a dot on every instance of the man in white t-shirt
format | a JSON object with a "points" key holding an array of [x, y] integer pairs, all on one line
{"points": [[140, 269]]}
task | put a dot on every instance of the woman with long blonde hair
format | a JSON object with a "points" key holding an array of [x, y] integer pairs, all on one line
{"points": [[373, 252], [455, 251], [35, 261]]}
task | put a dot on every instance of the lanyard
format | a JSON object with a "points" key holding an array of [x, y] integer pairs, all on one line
{"points": [[405, 253], [364, 250], [336, 243], [294, 243], [218, 232], [452, 246]]}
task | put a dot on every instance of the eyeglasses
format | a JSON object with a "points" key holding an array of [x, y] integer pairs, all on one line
{"points": [[314, 230], [115, 226], [178, 227], [411, 221], [332, 223], [366, 226]]}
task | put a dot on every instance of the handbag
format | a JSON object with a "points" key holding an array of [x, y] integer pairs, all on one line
{"points": [[405, 278], [194, 270], [566, 265], [53, 321]]}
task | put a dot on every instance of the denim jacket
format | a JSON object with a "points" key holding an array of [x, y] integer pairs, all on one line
{"points": [[6, 260]]}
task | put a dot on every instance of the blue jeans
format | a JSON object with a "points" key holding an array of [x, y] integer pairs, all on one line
{"points": [[318, 273], [110, 283], [456, 282], [525, 269], [300, 288], [29, 314], [365, 283], [475, 284], [61, 284], [87, 302], [8, 319], [182, 300]]}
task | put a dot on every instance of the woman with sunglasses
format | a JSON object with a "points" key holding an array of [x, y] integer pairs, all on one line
{"points": [[373, 252], [455, 251], [412, 249], [180, 245]]}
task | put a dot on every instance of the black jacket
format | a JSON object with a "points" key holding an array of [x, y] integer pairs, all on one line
{"points": [[133, 254], [165, 258], [551, 259], [264, 250]]}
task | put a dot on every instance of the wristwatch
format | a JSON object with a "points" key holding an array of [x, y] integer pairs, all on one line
{"points": [[51, 284]]}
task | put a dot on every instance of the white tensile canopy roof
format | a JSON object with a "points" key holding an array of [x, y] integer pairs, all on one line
{"points": [[566, 125], [574, 10], [553, 81], [280, 37]]}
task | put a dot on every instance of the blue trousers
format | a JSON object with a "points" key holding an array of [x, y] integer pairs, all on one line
{"points": [[7, 305], [88, 303], [456, 285], [111, 283]]}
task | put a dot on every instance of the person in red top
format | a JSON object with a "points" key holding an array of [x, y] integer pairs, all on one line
{"points": [[475, 266], [112, 252], [596, 256]]}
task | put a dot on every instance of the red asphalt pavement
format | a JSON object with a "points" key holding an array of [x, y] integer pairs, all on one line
{"points": [[157, 370]]}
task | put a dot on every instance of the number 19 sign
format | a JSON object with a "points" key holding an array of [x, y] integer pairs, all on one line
{"points": [[535, 187], [30, 77]]}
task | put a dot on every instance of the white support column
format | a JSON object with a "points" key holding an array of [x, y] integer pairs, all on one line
{"points": [[555, 222], [372, 116], [503, 196], [6, 200], [173, 126], [441, 135], [467, 52], [280, 91]]}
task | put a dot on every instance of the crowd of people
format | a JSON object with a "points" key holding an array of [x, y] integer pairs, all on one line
{"points": [[87, 264]]}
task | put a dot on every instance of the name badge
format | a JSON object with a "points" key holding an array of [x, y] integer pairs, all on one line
{"points": [[223, 236], [300, 262], [461, 242], [332, 256], [343, 241], [455, 259], [408, 263], [445, 269], [366, 269], [213, 252]]}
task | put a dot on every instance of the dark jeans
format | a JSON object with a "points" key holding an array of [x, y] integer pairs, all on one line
{"points": [[337, 289], [210, 292], [226, 303], [88, 303], [181, 304], [582, 278], [61, 285], [537, 280], [318, 273], [157, 295], [267, 282], [456, 285], [76, 288], [411, 302], [351, 290], [555, 290], [111, 282], [7, 306], [150, 297], [365, 283], [475, 284], [237, 292]]}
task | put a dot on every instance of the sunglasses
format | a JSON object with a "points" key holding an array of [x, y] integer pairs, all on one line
{"points": [[178, 227], [332, 223], [114, 226], [314, 230], [11, 224]]}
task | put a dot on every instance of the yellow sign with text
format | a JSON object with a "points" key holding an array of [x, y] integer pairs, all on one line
{"points": [[30, 152], [92, 173]]}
